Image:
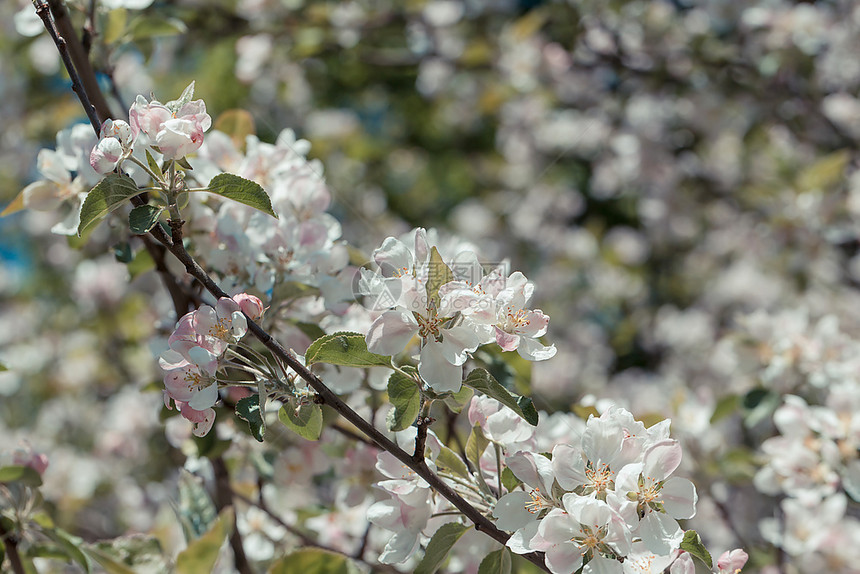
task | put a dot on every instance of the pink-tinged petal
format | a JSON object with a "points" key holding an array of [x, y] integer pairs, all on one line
{"points": [[679, 497], [205, 359], [568, 466], [437, 371], [250, 305], [507, 341], [177, 385], [533, 469], [661, 459], [203, 419], [458, 342], [660, 533], [225, 307], [393, 257], [172, 359], [534, 324], [683, 565], [511, 511], [480, 408], [558, 527], [106, 155], [204, 398], [732, 561], [532, 350], [422, 247], [526, 540], [391, 332], [564, 558]]}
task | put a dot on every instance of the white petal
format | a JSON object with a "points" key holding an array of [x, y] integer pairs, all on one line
{"points": [[435, 369], [390, 332]]}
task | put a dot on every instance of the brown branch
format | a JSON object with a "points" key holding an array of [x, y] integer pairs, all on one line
{"points": [[10, 542], [79, 58], [223, 499]]}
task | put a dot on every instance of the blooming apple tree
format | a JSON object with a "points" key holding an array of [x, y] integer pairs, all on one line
{"points": [[407, 404]]}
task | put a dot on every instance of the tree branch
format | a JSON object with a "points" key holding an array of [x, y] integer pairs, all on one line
{"points": [[10, 542]]}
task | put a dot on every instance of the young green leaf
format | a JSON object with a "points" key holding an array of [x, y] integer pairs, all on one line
{"points": [[3, 367], [201, 554], [439, 546], [242, 190], [144, 27], [405, 396], [457, 401], [248, 409], [153, 165], [143, 218], [451, 460], [106, 196], [71, 546], [475, 445], [438, 273], [509, 479], [498, 562], [314, 561], [305, 420], [23, 474], [484, 382], [344, 349], [693, 544]]}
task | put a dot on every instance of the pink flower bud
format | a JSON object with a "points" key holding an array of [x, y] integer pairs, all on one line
{"points": [[250, 305], [35, 460], [732, 561]]}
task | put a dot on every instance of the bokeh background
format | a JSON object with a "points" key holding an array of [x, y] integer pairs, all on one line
{"points": [[678, 178]]}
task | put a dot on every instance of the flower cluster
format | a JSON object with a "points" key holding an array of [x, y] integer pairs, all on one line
{"points": [[605, 500], [243, 245], [197, 347], [174, 129], [450, 305]]}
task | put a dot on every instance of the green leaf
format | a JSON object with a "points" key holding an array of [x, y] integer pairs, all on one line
{"points": [[152, 26], [153, 165], [345, 349], [141, 263], [439, 546], [825, 172], [183, 163], [457, 401], [249, 409], [201, 554], [242, 190], [693, 544], [134, 553], [314, 561], [405, 396], [483, 381], [143, 218], [509, 479], [759, 404], [122, 252], [475, 445], [106, 196], [23, 474], [71, 545], [498, 562], [306, 420], [451, 460], [196, 511], [438, 273], [726, 406]]}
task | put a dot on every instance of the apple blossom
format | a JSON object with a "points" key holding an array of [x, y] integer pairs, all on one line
{"points": [[175, 128]]}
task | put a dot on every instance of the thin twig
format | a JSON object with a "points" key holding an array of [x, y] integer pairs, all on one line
{"points": [[44, 12]]}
